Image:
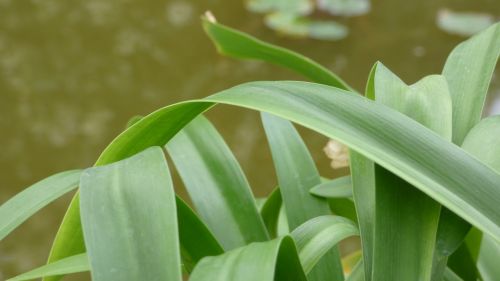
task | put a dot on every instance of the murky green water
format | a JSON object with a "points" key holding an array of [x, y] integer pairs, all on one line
{"points": [[73, 72]]}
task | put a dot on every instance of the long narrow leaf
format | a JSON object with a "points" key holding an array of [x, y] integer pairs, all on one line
{"points": [[216, 184], [73, 264], [143, 134], [270, 212], [297, 174], [129, 219], [483, 141], [393, 140], [26, 203], [406, 219], [469, 69], [196, 240], [396, 142], [318, 235], [275, 260], [237, 44]]}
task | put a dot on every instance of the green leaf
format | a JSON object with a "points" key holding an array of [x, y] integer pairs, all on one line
{"points": [[463, 23], [297, 174], [363, 187], [317, 236], [336, 188], [489, 256], [469, 69], [129, 219], [275, 260], [449, 275], [73, 264], [236, 44], [406, 220], [394, 141], [295, 26], [270, 212], [483, 141], [357, 273], [29, 201], [216, 184], [343, 207], [69, 238], [196, 240], [462, 263]]}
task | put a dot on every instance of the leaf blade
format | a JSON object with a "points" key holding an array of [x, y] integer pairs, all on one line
{"points": [[29, 201], [129, 219]]}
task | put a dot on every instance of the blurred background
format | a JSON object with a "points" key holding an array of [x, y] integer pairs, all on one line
{"points": [[73, 72]]}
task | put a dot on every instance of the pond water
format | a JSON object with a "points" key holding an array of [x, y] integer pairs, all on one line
{"points": [[73, 72]]}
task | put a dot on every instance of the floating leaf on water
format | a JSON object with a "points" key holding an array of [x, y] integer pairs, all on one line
{"points": [[464, 24], [345, 7], [292, 25], [298, 7]]}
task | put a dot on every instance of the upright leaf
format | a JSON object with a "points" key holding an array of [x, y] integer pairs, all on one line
{"points": [[406, 219], [363, 187], [196, 240], [270, 212], [469, 69], [483, 141], [216, 184], [69, 237], [297, 174], [129, 219]]}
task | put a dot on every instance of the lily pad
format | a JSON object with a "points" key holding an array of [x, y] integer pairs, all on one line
{"points": [[294, 26], [464, 24], [345, 7], [297, 7]]}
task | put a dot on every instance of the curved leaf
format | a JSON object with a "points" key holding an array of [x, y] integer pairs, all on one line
{"points": [[315, 237], [469, 69], [129, 219], [406, 220], [29, 201], [237, 44], [396, 142], [483, 141], [393, 140], [274, 260], [216, 184], [73, 264], [296, 174]]}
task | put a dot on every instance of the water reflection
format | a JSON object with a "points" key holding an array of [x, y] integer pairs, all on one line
{"points": [[72, 73]]}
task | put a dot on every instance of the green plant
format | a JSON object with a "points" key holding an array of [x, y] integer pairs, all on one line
{"points": [[424, 171]]}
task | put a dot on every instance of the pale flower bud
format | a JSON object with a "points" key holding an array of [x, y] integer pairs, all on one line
{"points": [[339, 154]]}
